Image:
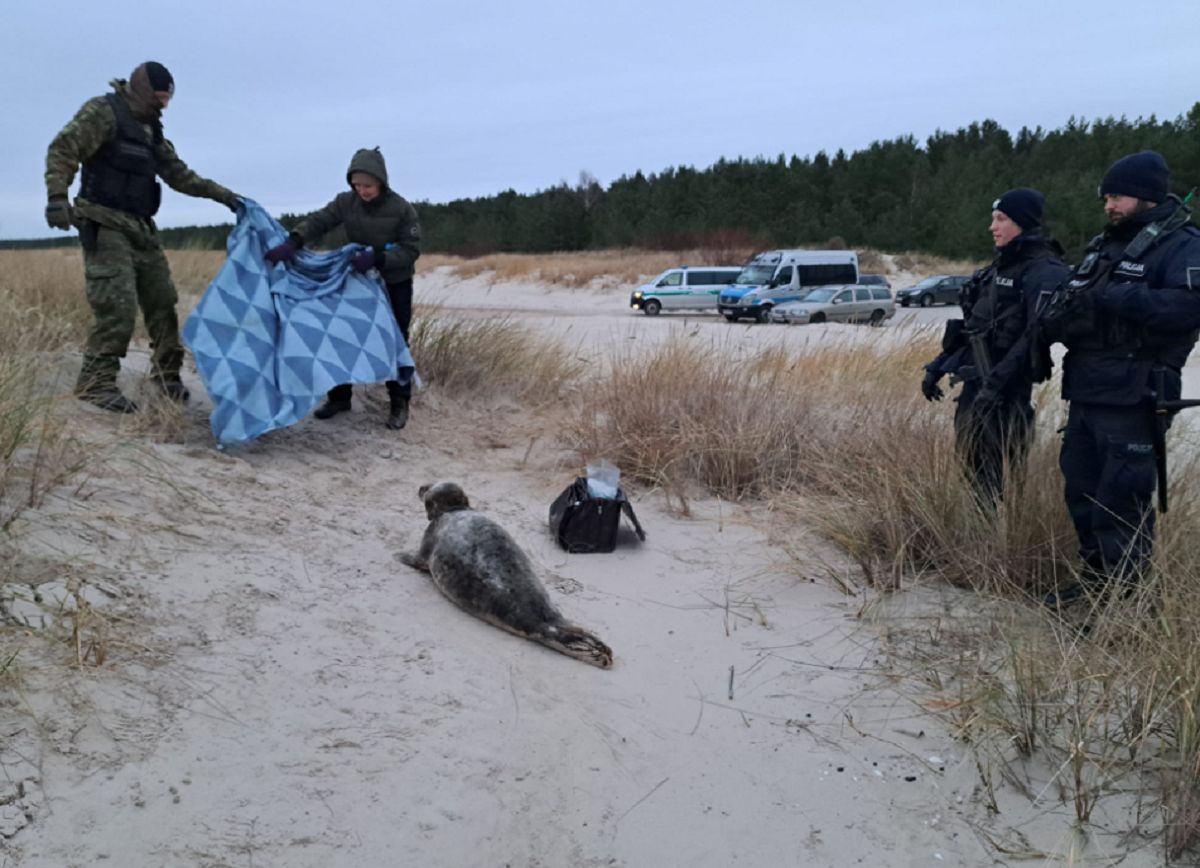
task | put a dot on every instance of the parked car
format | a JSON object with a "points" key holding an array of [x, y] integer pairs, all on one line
{"points": [[942, 289], [869, 304], [875, 280], [777, 276], [684, 288]]}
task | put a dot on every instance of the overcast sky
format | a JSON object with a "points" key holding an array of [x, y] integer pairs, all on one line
{"points": [[470, 98]]}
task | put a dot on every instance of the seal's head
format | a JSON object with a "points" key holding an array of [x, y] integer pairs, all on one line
{"points": [[442, 497]]}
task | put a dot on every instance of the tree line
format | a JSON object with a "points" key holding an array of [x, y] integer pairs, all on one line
{"points": [[895, 195]]}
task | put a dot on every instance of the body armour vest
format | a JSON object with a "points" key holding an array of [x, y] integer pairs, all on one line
{"points": [[1100, 331], [993, 302], [122, 174]]}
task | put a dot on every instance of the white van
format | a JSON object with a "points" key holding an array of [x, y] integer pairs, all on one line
{"points": [[684, 288], [777, 276]]}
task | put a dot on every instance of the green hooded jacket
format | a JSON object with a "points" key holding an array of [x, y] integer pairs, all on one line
{"points": [[389, 219]]}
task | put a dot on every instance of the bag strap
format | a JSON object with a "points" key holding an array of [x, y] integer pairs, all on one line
{"points": [[627, 509]]}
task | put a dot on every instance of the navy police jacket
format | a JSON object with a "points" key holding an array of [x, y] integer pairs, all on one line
{"points": [[1146, 314], [999, 303]]}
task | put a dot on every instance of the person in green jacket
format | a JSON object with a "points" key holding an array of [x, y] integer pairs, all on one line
{"points": [[375, 215], [118, 140]]}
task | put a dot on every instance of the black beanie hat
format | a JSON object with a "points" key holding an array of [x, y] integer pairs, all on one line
{"points": [[160, 78], [1024, 205], [1143, 175]]}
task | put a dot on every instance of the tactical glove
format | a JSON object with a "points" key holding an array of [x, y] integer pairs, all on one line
{"points": [[363, 261], [930, 388], [58, 213]]}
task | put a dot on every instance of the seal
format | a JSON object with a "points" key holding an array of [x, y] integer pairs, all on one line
{"points": [[479, 567]]}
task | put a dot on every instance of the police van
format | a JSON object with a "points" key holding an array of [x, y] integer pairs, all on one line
{"points": [[777, 276], [694, 288]]}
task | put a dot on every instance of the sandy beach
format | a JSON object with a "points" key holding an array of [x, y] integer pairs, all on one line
{"points": [[278, 689]]}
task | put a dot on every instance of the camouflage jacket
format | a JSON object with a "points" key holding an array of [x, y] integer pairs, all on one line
{"points": [[93, 126]]}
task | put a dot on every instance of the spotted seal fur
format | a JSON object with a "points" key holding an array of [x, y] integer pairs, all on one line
{"points": [[478, 566]]}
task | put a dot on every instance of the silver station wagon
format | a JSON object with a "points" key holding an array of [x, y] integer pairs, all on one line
{"points": [[867, 304]]}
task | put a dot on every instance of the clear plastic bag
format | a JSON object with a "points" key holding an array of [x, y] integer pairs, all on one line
{"points": [[603, 479]]}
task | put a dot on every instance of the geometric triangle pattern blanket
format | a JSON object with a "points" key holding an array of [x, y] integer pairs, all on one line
{"points": [[270, 341]]}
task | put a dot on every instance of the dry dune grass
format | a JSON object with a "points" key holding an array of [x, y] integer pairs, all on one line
{"points": [[42, 310], [574, 270], [838, 440], [604, 268], [925, 263], [42, 292], [742, 425], [490, 357], [193, 270]]}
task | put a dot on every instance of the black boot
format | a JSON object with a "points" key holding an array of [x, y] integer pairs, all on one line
{"points": [[108, 399], [173, 389], [1065, 596], [331, 408], [398, 415], [1093, 580]]}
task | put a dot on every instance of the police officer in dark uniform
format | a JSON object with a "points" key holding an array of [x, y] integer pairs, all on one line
{"points": [[1129, 317], [994, 418]]}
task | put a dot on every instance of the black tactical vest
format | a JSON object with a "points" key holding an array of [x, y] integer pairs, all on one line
{"points": [[993, 302], [1100, 331], [122, 174]]}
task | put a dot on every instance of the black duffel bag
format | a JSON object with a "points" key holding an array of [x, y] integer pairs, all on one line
{"points": [[584, 524]]}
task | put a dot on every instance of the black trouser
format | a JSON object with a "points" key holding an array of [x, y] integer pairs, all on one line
{"points": [[1107, 461], [988, 440], [400, 296]]}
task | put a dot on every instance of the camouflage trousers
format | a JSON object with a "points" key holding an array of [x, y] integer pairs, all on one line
{"points": [[126, 272]]}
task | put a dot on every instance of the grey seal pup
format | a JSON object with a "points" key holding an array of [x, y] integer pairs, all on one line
{"points": [[478, 566]]}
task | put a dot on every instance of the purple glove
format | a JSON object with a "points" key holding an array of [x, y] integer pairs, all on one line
{"points": [[284, 252], [363, 261]]}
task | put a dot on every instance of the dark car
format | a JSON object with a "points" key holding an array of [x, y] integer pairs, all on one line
{"points": [[874, 280], [942, 289]]}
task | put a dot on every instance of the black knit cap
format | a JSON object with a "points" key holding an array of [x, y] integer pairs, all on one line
{"points": [[1143, 175], [160, 78], [1023, 205]]}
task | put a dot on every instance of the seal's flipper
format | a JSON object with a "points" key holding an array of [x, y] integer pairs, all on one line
{"points": [[578, 643]]}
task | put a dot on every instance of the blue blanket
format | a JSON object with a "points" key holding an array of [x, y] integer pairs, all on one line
{"points": [[270, 341]]}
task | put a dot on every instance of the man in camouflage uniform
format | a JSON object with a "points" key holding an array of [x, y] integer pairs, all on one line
{"points": [[118, 140]]}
